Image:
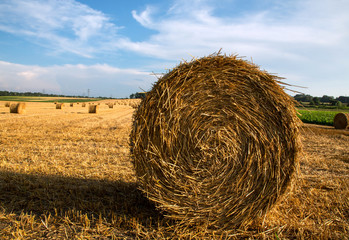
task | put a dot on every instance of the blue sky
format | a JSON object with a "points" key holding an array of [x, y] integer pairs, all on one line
{"points": [[112, 47]]}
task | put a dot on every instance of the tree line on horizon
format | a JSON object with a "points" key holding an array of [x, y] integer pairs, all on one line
{"points": [[39, 94], [325, 99], [302, 98]]}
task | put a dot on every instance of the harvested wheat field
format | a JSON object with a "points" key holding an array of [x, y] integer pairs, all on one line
{"points": [[68, 174]]}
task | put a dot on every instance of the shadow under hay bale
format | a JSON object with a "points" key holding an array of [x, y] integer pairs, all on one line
{"points": [[215, 142], [341, 121], [93, 109], [18, 108], [59, 105]]}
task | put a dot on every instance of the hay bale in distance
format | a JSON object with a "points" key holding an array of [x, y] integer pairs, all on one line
{"points": [[72, 104], [83, 105], [215, 142], [93, 108], [59, 105], [341, 121], [17, 108], [8, 104], [110, 105]]}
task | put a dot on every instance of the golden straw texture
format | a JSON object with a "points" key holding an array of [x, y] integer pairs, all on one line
{"points": [[215, 142], [341, 121]]}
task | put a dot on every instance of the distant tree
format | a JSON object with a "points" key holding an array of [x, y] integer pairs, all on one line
{"points": [[316, 100], [326, 99], [303, 98], [343, 99], [138, 95], [336, 103]]}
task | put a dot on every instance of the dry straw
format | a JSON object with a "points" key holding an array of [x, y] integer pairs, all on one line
{"points": [[18, 108], [341, 121], [93, 109], [215, 142], [59, 105]]}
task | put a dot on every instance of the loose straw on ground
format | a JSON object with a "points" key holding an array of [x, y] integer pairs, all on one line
{"points": [[215, 142]]}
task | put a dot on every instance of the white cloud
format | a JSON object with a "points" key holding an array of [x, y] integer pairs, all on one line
{"points": [[303, 38], [62, 26], [193, 28], [101, 79]]}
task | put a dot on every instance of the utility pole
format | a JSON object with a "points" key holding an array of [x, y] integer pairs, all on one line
{"points": [[88, 92]]}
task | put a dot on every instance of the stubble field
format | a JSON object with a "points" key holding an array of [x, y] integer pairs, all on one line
{"points": [[67, 174]]}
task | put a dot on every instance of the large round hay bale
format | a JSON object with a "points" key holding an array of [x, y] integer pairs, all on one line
{"points": [[341, 121], [215, 141], [17, 108], [93, 108]]}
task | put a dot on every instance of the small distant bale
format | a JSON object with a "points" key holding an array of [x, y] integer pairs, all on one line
{"points": [[111, 105], [341, 121], [17, 108], [7, 104], [72, 104], [83, 105], [93, 109], [59, 105]]}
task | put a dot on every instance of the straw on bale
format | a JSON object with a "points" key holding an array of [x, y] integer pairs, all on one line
{"points": [[341, 121], [215, 142], [59, 105], [17, 108], [93, 108]]}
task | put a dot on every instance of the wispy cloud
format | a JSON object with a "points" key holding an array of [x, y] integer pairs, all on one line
{"points": [[305, 41], [102, 79], [61, 26], [194, 28]]}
